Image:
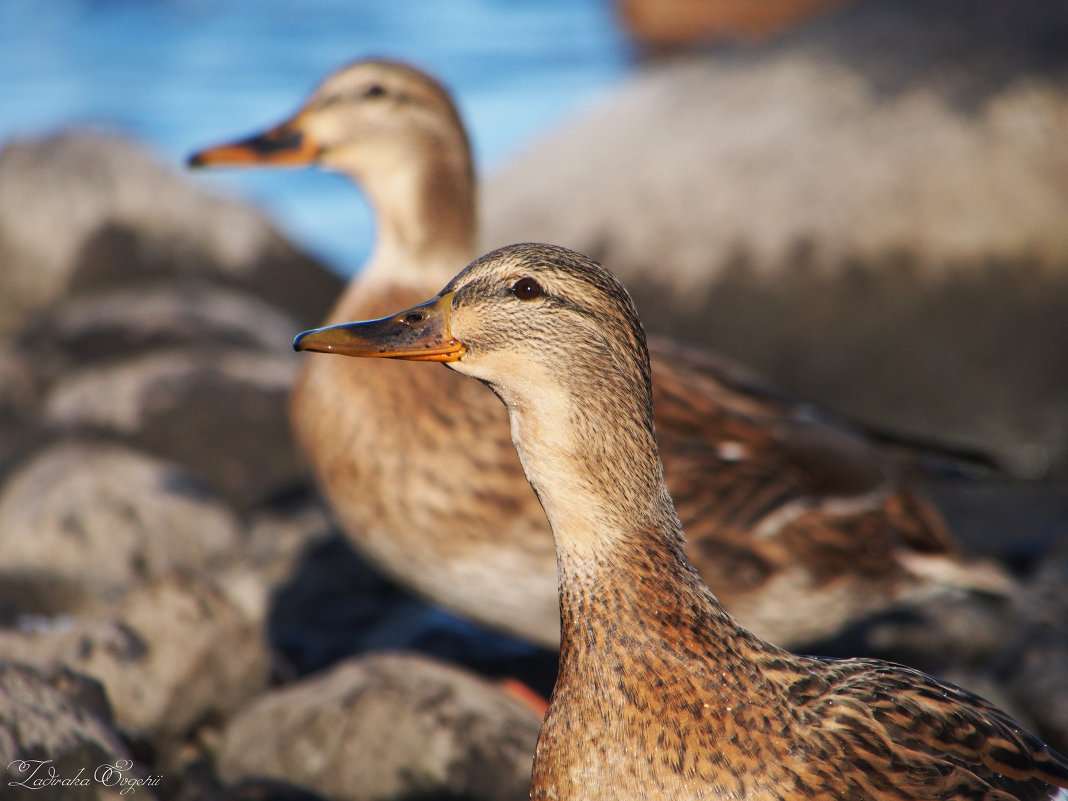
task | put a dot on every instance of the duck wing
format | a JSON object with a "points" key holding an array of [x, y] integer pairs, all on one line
{"points": [[902, 732], [799, 524]]}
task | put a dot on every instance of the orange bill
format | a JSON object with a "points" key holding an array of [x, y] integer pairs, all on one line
{"points": [[419, 334], [283, 145]]}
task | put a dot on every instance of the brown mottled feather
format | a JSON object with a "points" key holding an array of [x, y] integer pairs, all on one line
{"points": [[801, 526], [675, 700]]}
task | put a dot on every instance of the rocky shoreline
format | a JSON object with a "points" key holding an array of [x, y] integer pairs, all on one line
{"points": [[155, 520]]}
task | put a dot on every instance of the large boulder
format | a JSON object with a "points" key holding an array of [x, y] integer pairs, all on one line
{"points": [[172, 655], [123, 322], [82, 211], [20, 390], [88, 520], [1033, 666], [194, 373], [383, 727], [222, 414]]}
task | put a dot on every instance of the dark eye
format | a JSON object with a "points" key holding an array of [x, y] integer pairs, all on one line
{"points": [[374, 90], [527, 289]]}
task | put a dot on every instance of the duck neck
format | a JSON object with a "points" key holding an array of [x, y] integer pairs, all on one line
{"points": [[622, 570], [588, 448], [426, 220]]}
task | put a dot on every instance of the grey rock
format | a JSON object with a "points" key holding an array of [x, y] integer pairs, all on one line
{"points": [[80, 520], [965, 633], [82, 211], [222, 414], [46, 725], [870, 210], [387, 726], [131, 321], [171, 655], [272, 552]]}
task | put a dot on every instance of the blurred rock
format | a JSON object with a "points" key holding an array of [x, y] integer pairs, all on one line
{"points": [[123, 322], [222, 414], [266, 790], [397, 726], [959, 632], [47, 723], [84, 520], [172, 655], [81, 211], [271, 553], [18, 385], [870, 210]]}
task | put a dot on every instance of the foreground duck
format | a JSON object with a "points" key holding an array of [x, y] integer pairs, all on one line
{"points": [[661, 694], [798, 522]]}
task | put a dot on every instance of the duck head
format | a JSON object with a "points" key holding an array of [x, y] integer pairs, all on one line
{"points": [[395, 131], [557, 338], [520, 319], [360, 115]]}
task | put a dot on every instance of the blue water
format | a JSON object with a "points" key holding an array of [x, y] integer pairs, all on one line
{"points": [[182, 74]]}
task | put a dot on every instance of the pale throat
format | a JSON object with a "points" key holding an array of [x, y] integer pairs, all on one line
{"points": [[588, 493], [424, 213]]}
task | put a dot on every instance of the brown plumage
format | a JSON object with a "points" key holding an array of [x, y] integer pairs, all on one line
{"points": [[661, 694], [800, 524]]}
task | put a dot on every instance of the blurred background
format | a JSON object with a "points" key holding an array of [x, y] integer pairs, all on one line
{"points": [[866, 202], [181, 74]]}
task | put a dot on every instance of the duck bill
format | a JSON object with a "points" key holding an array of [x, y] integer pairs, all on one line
{"points": [[420, 334], [284, 145]]}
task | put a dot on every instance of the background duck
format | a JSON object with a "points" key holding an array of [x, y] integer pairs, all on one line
{"points": [[660, 692], [799, 522]]}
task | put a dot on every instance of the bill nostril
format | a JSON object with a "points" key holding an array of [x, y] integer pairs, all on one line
{"points": [[413, 318]]}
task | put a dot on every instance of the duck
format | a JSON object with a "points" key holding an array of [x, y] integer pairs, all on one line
{"points": [[660, 692], [789, 510]]}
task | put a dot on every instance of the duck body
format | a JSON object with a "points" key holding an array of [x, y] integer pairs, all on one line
{"points": [[665, 696], [661, 693], [799, 523]]}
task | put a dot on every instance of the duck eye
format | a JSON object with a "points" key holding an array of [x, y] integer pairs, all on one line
{"points": [[527, 289], [374, 90]]}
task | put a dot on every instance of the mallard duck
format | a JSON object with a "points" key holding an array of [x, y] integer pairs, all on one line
{"points": [[661, 693], [799, 522]]}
